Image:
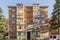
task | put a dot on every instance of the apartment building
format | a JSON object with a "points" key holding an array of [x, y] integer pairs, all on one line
{"points": [[28, 22]]}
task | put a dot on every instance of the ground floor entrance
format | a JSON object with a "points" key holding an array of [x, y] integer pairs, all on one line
{"points": [[28, 36]]}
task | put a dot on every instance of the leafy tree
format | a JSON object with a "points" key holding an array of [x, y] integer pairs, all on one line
{"points": [[3, 24], [55, 22]]}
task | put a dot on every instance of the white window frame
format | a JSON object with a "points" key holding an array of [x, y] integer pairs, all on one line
{"points": [[13, 10], [13, 15], [12, 22], [37, 20], [36, 6], [36, 13], [43, 21], [20, 20], [20, 13]]}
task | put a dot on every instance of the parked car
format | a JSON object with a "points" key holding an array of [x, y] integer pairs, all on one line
{"points": [[54, 37]]}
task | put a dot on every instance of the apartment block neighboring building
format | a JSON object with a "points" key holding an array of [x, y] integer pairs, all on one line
{"points": [[28, 22], [12, 22]]}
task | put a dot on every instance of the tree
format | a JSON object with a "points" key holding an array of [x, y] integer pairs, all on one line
{"points": [[55, 23], [3, 25]]}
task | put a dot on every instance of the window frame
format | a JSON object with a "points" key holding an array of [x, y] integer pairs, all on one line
{"points": [[20, 13], [13, 15], [20, 20], [13, 10], [13, 22]]}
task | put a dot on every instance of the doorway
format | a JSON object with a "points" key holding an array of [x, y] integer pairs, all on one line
{"points": [[28, 36]]}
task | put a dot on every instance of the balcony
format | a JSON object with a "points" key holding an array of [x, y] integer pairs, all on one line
{"points": [[37, 13], [22, 30], [19, 16], [44, 24], [35, 27], [54, 31], [36, 16], [18, 22], [37, 21]]}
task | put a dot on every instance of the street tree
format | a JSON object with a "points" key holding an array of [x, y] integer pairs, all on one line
{"points": [[3, 24], [55, 22]]}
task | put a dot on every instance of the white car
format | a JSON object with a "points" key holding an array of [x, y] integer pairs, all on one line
{"points": [[54, 37]]}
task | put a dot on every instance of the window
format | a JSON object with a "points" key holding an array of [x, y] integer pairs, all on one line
{"points": [[13, 16], [13, 10], [25, 26], [36, 13], [37, 34], [37, 20], [36, 6], [34, 33], [12, 28], [43, 21], [43, 15], [20, 19], [19, 6], [20, 13], [12, 34], [19, 33], [12, 22]]}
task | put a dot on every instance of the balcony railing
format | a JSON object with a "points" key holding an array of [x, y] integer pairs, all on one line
{"points": [[36, 16]]}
